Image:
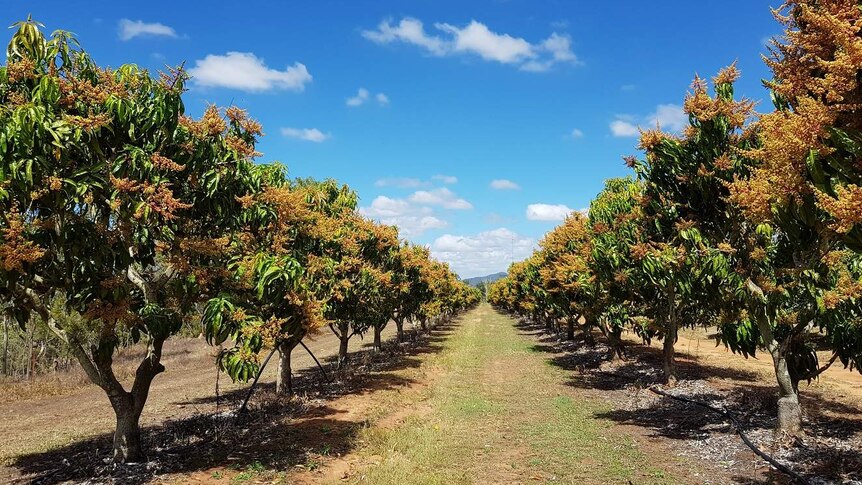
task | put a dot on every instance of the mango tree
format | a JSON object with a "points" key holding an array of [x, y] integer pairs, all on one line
{"points": [[614, 222], [412, 289], [114, 199], [803, 197], [280, 282], [685, 213], [565, 273]]}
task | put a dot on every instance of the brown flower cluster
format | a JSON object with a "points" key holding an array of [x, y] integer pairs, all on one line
{"points": [[21, 70], [165, 163], [845, 208], [16, 249]]}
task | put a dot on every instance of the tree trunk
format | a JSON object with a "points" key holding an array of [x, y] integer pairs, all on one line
{"points": [[424, 323], [344, 340], [378, 346], [789, 409], [669, 354], [587, 334], [127, 435], [570, 329], [399, 325], [614, 341], [5, 347], [30, 357], [284, 379]]}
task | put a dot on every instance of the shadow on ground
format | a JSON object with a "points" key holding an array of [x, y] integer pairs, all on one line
{"points": [[829, 450], [276, 433]]}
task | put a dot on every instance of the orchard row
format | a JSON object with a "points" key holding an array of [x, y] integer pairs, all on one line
{"points": [[122, 218], [749, 225]]}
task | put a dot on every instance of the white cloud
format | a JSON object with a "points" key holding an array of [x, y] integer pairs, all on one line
{"points": [[623, 128], [402, 182], [547, 212], [412, 220], [306, 134], [576, 133], [363, 95], [129, 29], [247, 72], [476, 38], [668, 117], [504, 184], [360, 98], [446, 179], [408, 30], [442, 197], [483, 253]]}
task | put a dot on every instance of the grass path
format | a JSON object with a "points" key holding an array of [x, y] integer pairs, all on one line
{"points": [[497, 412]]}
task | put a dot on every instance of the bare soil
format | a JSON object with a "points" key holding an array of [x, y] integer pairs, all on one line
{"points": [[500, 416]]}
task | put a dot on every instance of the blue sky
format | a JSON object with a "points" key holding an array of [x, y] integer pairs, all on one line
{"points": [[421, 106]]}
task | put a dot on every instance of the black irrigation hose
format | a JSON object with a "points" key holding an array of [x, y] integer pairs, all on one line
{"points": [[757, 451], [325, 377], [244, 407]]}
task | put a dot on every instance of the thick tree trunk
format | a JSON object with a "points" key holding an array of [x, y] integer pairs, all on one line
{"points": [[127, 435], [284, 376], [378, 346], [128, 406], [424, 323], [570, 329], [789, 409], [669, 354]]}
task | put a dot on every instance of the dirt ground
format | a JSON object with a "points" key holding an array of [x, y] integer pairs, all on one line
{"points": [[186, 388], [485, 400]]}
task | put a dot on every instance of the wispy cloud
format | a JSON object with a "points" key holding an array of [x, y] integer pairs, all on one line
{"points": [[446, 179], [483, 253], [442, 197], [129, 29], [306, 134], [670, 117], [477, 39], [411, 219], [246, 72], [401, 182], [547, 212], [363, 95], [504, 184]]}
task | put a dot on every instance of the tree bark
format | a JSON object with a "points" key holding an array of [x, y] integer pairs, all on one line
{"points": [[284, 380], [127, 435], [424, 323], [5, 347], [399, 325], [378, 346], [669, 354], [570, 329], [614, 341], [789, 409]]}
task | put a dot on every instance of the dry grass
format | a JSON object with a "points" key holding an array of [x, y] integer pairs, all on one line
{"points": [[497, 413]]}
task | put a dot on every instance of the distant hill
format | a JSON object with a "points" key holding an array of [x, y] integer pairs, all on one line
{"points": [[485, 279]]}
